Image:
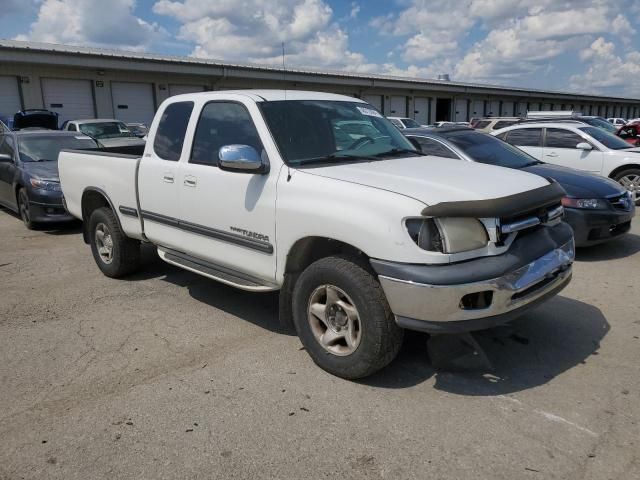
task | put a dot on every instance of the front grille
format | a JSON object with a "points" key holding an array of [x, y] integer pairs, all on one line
{"points": [[530, 221], [621, 202]]}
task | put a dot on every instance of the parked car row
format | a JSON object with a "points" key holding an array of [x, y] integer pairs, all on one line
{"points": [[30, 143]]}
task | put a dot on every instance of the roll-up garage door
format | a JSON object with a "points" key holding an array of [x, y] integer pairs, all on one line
{"points": [[507, 109], [71, 99], [494, 108], [180, 89], [421, 110], [398, 106], [477, 108], [133, 102], [375, 100], [521, 109], [9, 96], [461, 110]]}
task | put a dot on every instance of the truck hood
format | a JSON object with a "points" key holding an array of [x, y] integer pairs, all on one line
{"points": [[47, 170], [433, 180]]}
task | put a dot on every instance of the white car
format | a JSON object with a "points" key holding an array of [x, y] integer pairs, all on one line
{"points": [[579, 146], [618, 122], [108, 132], [404, 122], [320, 197]]}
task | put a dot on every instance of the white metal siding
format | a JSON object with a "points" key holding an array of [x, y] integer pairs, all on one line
{"points": [[9, 96], [398, 106], [133, 102], [375, 100], [180, 89], [461, 110], [421, 110], [71, 99]]}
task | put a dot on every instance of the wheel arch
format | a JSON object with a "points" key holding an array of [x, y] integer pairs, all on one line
{"points": [[92, 199], [622, 168], [307, 250]]}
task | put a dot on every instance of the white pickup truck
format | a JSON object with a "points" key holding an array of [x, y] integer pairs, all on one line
{"points": [[318, 196]]}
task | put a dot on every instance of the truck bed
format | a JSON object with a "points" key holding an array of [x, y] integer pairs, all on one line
{"points": [[114, 175]]}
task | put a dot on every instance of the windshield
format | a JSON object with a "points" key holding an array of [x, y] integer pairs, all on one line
{"points": [[600, 123], [105, 130], [607, 139], [46, 148], [410, 123], [308, 131], [485, 148]]}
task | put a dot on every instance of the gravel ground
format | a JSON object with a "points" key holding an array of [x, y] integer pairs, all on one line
{"points": [[170, 375]]}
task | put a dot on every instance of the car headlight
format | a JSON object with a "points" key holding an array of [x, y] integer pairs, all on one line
{"points": [[584, 203], [447, 235], [46, 185]]}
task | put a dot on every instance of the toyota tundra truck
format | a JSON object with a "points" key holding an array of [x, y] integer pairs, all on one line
{"points": [[320, 197]]}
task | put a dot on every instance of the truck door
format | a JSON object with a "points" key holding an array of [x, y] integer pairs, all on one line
{"points": [[229, 217], [159, 184]]}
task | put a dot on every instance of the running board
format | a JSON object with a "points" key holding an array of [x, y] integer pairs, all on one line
{"points": [[216, 272]]}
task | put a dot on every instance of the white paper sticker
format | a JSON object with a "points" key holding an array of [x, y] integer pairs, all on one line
{"points": [[369, 111]]}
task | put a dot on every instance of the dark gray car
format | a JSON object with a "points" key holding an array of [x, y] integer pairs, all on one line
{"points": [[29, 182]]}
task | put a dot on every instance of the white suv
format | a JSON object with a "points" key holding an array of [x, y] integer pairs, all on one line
{"points": [[579, 146]]}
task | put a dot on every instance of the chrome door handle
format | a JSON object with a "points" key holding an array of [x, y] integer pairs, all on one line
{"points": [[190, 181], [168, 177], [552, 155]]}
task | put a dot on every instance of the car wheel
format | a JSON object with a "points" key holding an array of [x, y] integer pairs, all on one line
{"points": [[343, 319], [630, 179], [115, 254], [24, 210]]}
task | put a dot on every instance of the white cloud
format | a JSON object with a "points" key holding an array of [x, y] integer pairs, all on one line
{"points": [[608, 71], [92, 22], [355, 10]]}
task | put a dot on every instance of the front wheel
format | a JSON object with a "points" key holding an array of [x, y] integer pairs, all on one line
{"points": [[343, 319], [115, 254], [24, 209], [630, 179]]}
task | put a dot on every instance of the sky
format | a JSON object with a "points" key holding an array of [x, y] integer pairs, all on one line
{"points": [[588, 46]]}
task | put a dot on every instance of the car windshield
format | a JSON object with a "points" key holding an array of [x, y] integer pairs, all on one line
{"points": [[484, 148], [138, 129], [105, 130], [609, 140], [313, 131], [410, 123], [600, 123], [45, 148]]}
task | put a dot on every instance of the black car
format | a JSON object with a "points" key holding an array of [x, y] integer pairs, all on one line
{"points": [[29, 182], [598, 209]]}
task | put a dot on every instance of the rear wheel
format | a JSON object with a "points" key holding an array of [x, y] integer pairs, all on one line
{"points": [[343, 319], [24, 209], [115, 254], [630, 179]]}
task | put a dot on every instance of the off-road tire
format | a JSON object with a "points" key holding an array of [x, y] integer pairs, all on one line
{"points": [[381, 338]]}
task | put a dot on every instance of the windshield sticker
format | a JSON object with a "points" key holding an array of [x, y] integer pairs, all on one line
{"points": [[369, 112]]}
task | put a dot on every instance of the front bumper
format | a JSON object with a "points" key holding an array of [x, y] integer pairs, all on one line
{"points": [[46, 206], [591, 227], [480, 304]]}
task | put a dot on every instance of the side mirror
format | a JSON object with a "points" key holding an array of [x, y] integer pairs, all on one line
{"points": [[242, 159], [584, 146], [6, 158]]}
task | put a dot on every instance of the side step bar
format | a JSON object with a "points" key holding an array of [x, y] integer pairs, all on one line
{"points": [[216, 272]]}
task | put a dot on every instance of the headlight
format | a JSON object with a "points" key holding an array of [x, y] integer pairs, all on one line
{"points": [[584, 203], [447, 235], [46, 185]]}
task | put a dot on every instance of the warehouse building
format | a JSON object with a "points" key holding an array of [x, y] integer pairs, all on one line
{"points": [[80, 82]]}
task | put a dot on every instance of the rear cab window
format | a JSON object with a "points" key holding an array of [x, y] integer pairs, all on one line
{"points": [[171, 131]]}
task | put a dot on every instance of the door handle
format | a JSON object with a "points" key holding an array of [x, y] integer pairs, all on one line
{"points": [[552, 154], [167, 177], [190, 181]]}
